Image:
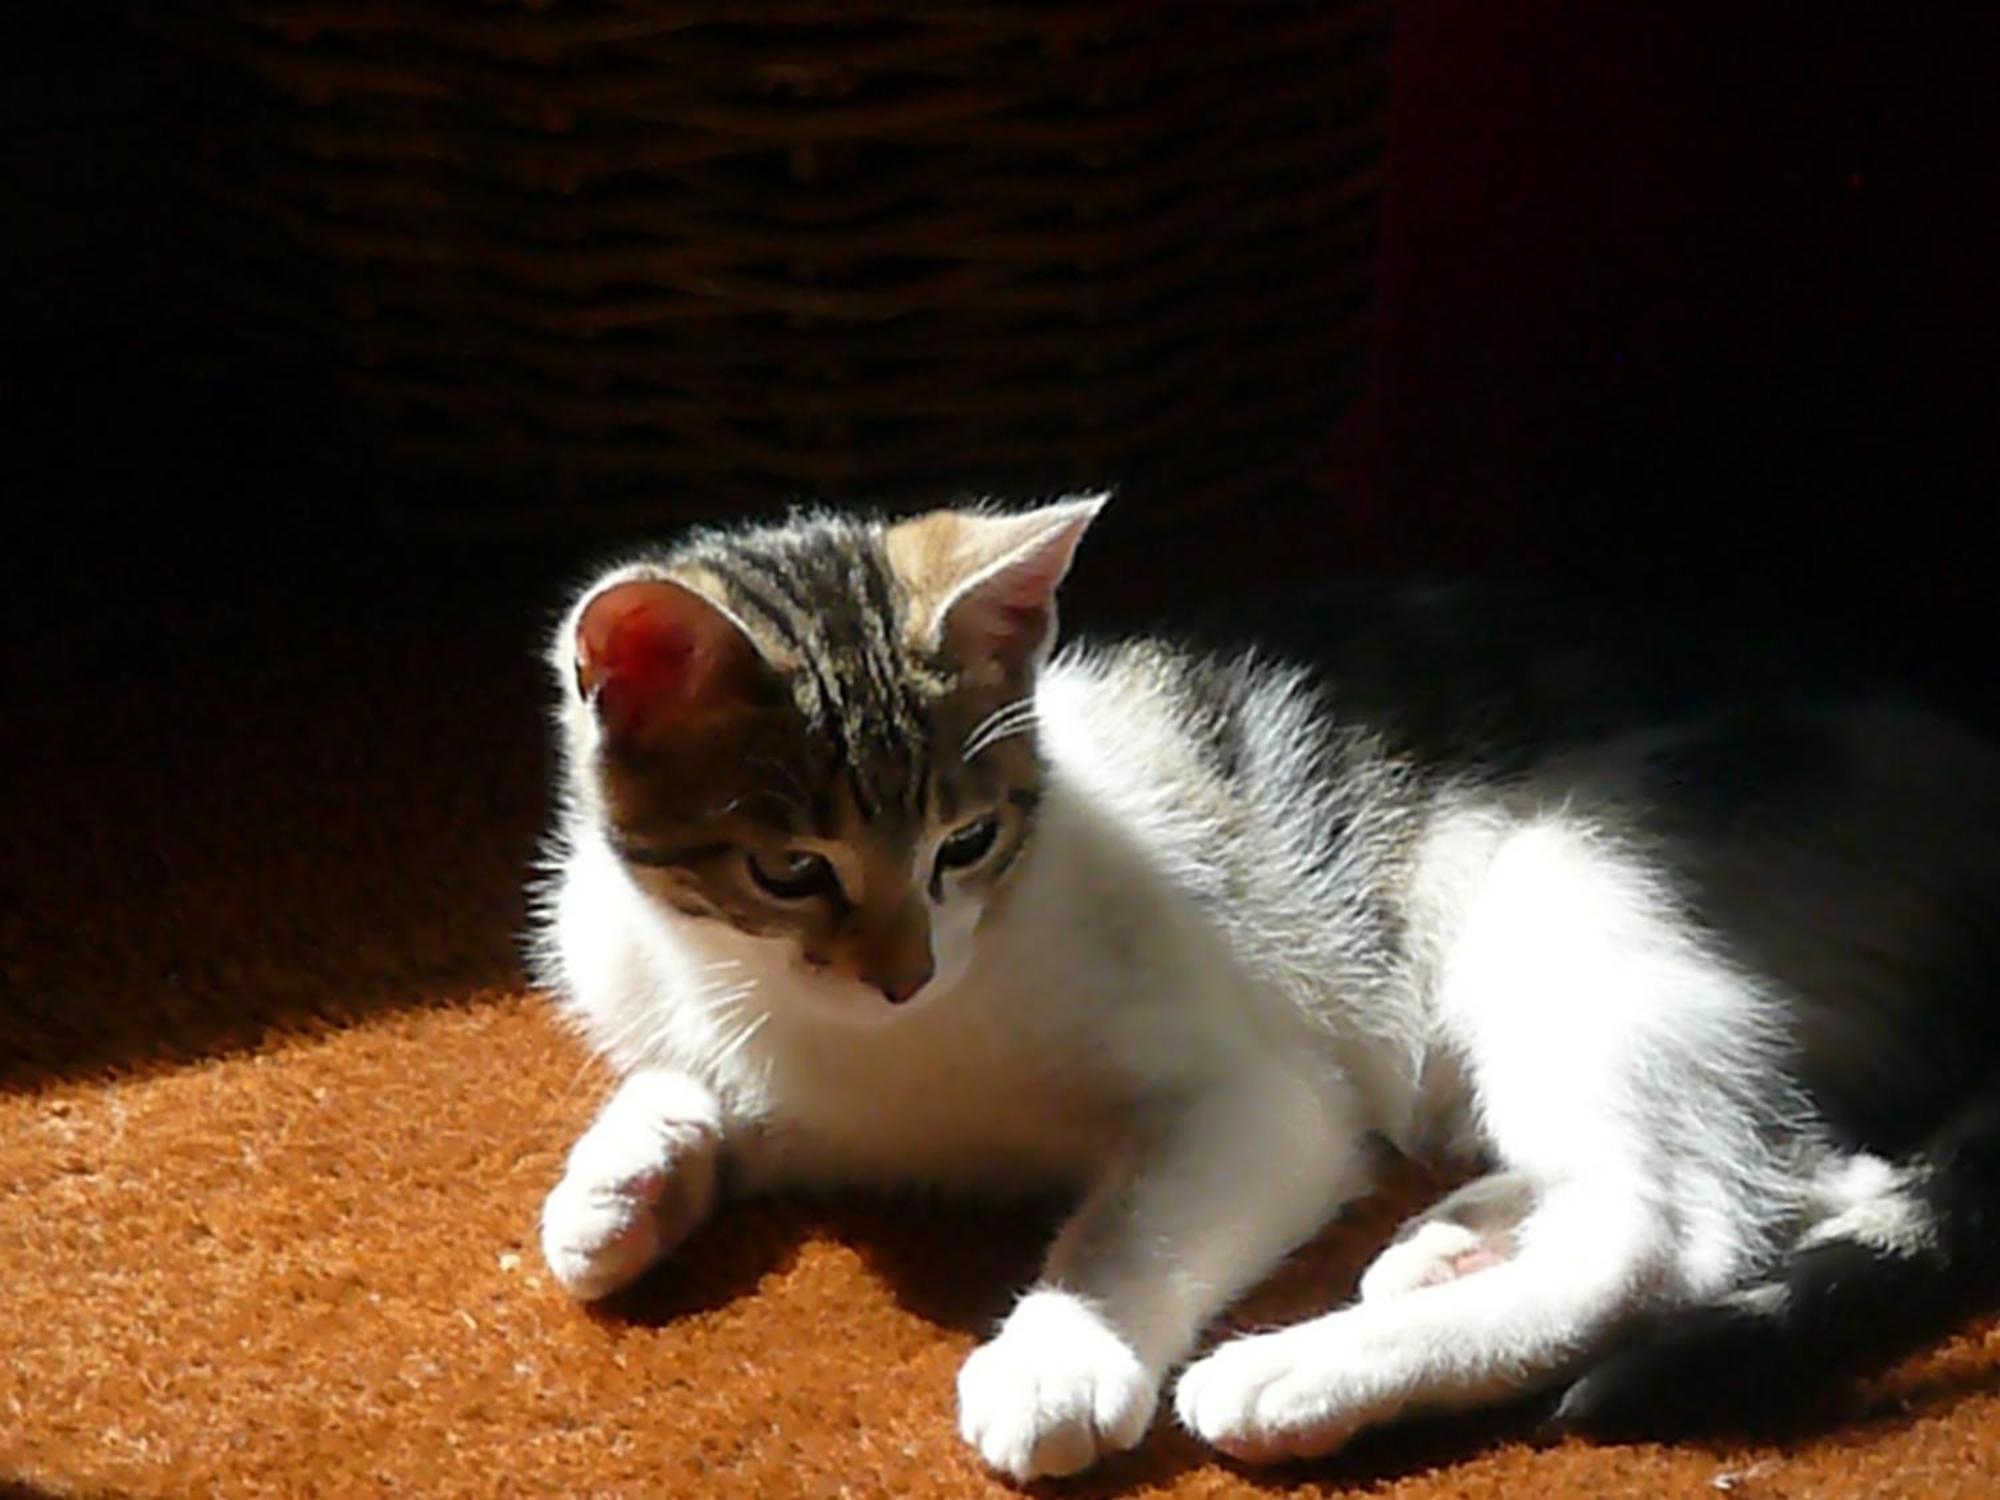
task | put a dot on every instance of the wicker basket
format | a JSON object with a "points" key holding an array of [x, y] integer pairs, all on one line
{"points": [[623, 260]]}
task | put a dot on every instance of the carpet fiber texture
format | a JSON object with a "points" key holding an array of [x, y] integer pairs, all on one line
{"points": [[279, 1110]]}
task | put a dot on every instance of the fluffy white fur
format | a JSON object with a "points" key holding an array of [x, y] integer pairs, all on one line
{"points": [[1205, 1062]]}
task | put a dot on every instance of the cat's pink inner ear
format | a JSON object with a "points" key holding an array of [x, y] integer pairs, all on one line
{"points": [[647, 651], [1007, 611]]}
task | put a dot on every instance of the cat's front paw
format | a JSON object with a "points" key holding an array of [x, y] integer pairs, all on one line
{"points": [[1299, 1393], [1055, 1390], [633, 1189]]}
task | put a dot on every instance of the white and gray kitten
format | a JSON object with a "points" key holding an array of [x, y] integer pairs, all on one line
{"points": [[855, 884]]}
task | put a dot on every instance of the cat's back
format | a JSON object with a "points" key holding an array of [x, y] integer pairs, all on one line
{"points": [[1840, 835]]}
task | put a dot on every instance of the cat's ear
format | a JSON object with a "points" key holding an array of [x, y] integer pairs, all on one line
{"points": [[985, 586], [650, 654]]}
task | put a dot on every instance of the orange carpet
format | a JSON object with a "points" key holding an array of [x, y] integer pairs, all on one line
{"points": [[278, 1112]]}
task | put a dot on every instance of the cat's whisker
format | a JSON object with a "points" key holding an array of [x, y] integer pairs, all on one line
{"points": [[974, 740], [714, 1000], [1017, 718], [721, 1001], [1013, 729], [1012, 705], [1011, 722], [742, 1038]]}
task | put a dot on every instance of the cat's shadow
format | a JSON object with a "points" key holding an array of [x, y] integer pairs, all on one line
{"points": [[959, 1266], [955, 1265]]}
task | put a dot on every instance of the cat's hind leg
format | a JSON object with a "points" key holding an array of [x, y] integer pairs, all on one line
{"points": [[636, 1184], [1880, 1269], [1471, 1229], [1585, 1255], [1617, 1071]]}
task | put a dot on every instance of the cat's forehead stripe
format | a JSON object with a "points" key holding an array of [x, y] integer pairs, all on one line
{"points": [[748, 587], [836, 613]]}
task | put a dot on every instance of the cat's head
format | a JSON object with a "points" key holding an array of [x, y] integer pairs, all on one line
{"points": [[822, 732]]}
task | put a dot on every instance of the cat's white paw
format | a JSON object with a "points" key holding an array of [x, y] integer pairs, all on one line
{"points": [[1299, 1393], [634, 1188], [1435, 1252], [1055, 1390]]}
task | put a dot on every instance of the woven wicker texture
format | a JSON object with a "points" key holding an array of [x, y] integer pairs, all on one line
{"points": [[577, 253]]}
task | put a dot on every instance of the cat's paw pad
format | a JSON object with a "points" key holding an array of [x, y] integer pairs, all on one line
{"points": [[1277, 1396], [624, 1203], [1436, 1252], [1055, 1390]]}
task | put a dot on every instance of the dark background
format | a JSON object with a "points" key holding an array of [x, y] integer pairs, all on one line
{"points": [[1691, 299]]}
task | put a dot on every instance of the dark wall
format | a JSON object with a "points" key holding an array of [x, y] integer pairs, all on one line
{"points": [[1705, 291], [137, 423], [1704, 288]]}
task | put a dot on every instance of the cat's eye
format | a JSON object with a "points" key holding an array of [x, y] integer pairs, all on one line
{"points": [[792, 875], [968, 845]]}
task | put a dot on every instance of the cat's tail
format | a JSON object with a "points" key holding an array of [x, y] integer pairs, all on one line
{"points": [[1916, 1248]]}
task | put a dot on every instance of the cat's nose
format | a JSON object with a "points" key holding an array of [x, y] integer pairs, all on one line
{"points": [[892, 949], [901, 985]]}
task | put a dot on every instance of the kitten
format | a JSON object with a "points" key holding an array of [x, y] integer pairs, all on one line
{"points": [[855, 884]]}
